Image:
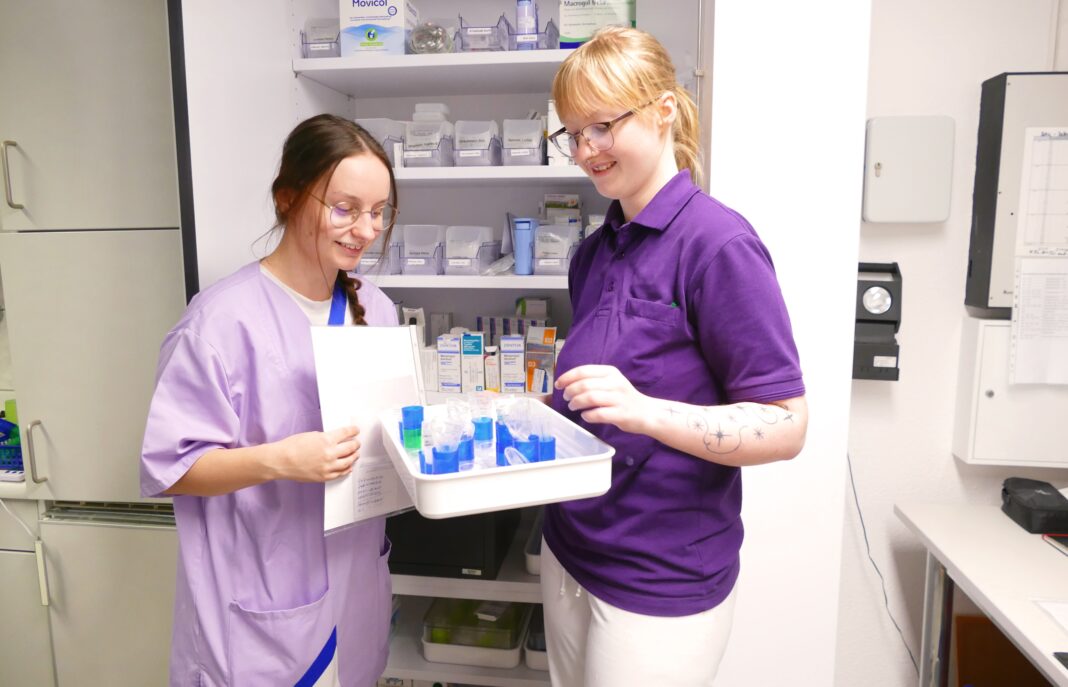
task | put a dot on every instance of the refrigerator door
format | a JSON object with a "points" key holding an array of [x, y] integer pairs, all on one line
{"points": [[111, 593], [86, 313], [26, 649]]}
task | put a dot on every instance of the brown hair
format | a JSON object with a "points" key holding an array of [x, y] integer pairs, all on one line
{"points": [[310, 155], [626, 68]]}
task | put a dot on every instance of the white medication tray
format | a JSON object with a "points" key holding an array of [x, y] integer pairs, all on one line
{"points": [[582, 468]]}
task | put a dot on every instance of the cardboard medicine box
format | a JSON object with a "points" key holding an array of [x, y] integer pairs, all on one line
{"points": [[540, 354]]}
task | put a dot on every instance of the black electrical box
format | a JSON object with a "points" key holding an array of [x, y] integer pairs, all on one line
{"points": [[469, 546]]}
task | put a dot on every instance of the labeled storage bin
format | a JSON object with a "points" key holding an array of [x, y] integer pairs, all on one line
{"points": [[423, 249], [524, 142], [470, 250], [428, 144], [477, 144], [549, 39], [380, 259], [321, 38], [479, 633], [534, 650], [389, 133], [582, 468], [554, 245], [482, 38]]}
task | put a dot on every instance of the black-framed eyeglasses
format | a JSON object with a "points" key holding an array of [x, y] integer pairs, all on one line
{"points": [[598, 135], [344, 214]]}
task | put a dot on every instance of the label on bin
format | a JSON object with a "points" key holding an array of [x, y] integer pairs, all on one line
{"points": [[416, 261], [526, 38], [459, 262], [470, 153], [417, 153], [478, 30], [320, 46], [517, 152], [549, 262]]}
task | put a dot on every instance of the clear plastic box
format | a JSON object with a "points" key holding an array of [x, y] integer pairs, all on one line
{"points": [[582, 468], [377, 260], [481, 38], [524, 142], [321, 37], [388, 132], [470, 250], [477, 144], [428, 144], [454, 632], [424, 248], [549, 39], [554, 245]]}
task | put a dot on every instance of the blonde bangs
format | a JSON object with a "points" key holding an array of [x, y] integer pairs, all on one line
{"points": [[603, 74]]}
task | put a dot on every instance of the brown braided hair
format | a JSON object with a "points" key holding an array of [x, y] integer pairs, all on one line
{"points": [[310, 155]]}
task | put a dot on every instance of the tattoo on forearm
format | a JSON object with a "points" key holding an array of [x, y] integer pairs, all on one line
{"points": [[721, 438]]}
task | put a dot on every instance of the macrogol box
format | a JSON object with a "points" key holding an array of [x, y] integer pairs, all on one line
{"points": [[580, 19], [541, 354], [376, 26], [472, 367], [493, 369], [449, 364], [513, 364]]}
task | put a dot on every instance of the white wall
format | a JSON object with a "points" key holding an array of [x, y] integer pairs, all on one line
{"points": [[927, 58], [788, 103]]}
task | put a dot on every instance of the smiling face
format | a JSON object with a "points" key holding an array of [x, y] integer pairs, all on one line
{"points": [[632, 170]]}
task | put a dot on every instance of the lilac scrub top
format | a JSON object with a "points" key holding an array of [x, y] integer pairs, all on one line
{"points": [[263, 597], [682, 299]]}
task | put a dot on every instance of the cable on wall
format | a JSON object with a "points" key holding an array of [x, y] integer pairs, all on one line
{"points": [[867, 546]]}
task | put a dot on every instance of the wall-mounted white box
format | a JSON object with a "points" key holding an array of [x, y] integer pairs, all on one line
{"points": [[908, 169], [999, 424]]}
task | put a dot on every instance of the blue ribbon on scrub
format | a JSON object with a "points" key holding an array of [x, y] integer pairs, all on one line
{"points": [[337, 305]]}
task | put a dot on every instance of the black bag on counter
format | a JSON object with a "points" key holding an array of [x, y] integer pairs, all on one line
{"points": [[1035, 506]]}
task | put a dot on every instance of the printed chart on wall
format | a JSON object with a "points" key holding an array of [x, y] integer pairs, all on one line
{"points": [[1040, 292], [362, 372]]}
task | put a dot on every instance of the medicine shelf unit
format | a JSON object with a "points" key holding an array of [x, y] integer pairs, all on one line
{"points": [[490, 176], [448, 281], [472, 73]]}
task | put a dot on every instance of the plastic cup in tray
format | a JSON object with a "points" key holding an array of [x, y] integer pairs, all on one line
{"points": [[582, 468]]}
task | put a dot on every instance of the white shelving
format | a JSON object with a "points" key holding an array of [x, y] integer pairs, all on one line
{"points": [[446, 281], [490, 176], [471, 73], [406, 657]]}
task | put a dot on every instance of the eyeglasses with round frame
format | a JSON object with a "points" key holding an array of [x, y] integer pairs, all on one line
{"points": [[344, 215], [598, 135]]}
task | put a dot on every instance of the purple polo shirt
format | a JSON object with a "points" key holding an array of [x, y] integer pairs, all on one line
{"points": [[683, 299]]}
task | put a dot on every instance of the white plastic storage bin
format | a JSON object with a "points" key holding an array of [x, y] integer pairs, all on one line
{"points": [[424, 248], [388, 132], [379, 259], [428, 144], [477, 144], [483, 38], [582, 468], [524, 142], [321, 37], [554, 244], [470, 250]]}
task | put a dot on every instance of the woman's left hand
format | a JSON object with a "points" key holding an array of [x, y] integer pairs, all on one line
{"points": [[604, 395]]}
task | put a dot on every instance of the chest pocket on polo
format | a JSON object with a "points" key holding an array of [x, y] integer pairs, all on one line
{"points": [[648, 330]]}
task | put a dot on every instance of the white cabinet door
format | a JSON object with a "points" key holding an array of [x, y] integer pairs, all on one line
{"points": [[25, 647], [111, 590], [86, 313], [85, 94]]}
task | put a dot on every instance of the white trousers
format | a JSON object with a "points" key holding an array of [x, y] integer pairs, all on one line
{"points": [[593, 644]]}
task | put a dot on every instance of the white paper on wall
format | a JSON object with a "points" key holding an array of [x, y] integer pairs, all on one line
{"points": [[1040, 294]]}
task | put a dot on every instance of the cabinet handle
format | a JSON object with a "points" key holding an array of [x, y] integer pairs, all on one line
{"points": [[29, 450], [7, 175]]}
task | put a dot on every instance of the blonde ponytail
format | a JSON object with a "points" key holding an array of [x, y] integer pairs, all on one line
{"points": [[687, 134]]}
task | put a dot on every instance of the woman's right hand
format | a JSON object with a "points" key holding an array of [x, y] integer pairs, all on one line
{"points": [[318, 456]]}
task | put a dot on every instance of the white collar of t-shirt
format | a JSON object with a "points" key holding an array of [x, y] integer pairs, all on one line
{"points": [[318, 312]]}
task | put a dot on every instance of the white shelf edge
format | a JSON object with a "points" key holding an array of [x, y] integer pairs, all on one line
{"points": [[513, 582], [446, 281], [371, 62], [492, 174], [406, 657]]}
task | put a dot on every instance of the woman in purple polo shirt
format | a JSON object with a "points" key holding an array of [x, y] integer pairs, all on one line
{"points": [[680, 356], [235, 436]]}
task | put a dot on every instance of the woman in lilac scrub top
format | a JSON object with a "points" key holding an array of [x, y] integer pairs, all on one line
{"points": [[235, 436], [681, 357]]}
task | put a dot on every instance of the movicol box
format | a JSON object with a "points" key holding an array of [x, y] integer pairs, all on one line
{"points": [[493, 369], [450, 374], [376, 26], [541, 352], [472, 367], [513, 364]]}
